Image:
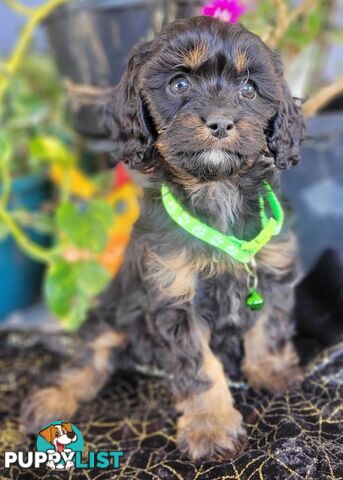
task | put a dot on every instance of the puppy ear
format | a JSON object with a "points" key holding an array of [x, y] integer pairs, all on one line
{"points": [[287, 128], [67, 426], [126, 116], [48, 433]]}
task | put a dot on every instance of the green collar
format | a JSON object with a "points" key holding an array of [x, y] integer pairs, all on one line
{"points": [[241, 250]]}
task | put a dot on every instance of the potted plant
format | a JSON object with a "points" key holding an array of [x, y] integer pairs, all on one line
{"points": [[32, 107], [36, 144]]}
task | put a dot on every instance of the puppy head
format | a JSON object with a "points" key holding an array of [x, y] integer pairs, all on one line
{"points": [[59, 435], [204, 98]]}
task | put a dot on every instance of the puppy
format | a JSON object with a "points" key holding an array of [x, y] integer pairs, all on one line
{"points": [[204, 109]]}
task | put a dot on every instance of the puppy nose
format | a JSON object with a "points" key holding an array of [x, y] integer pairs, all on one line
{"points": [[70, 434], [220, 125]]}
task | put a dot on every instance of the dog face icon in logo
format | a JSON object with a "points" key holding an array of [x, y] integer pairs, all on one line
{"points": [[60, 440]]}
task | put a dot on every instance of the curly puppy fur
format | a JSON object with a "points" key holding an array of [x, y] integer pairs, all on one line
{"points": [[205, 108]]}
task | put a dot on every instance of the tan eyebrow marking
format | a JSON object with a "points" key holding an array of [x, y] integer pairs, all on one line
{"points": [[240, 60], [195, 57]]}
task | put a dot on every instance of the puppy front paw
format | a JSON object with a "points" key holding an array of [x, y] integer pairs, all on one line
{"points": [[46, 405], [212, 434]]}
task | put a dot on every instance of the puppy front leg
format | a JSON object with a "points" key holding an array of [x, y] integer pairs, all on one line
{"points": [[210, 425]]}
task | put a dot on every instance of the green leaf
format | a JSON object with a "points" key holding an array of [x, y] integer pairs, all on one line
{"points": [[72, 224], [50, 149], [101, 212], [92, 277], [28, 112], [60, 288], [87, 229], [77, 315], [315, 20], [99, 218], [70, 288]]}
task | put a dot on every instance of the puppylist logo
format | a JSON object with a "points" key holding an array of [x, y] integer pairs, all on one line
{"points": [[59, 446]]}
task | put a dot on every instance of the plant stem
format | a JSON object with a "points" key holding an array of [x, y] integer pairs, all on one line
{"points": [[41, 254], [323, 97], [286, 17], [34, 18]]}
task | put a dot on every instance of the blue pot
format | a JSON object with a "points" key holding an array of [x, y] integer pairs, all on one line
{"points": [[20, 276]]}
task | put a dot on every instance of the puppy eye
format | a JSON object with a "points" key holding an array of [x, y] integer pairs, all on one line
{"points": [[179, 85], [57, 434], [247, 91]]}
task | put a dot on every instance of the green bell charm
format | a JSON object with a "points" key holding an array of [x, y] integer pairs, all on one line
{"points": [[254, 300]]}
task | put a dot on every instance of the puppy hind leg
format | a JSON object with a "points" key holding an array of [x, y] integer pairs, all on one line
{"points": [[271, 361], [79, 382]]}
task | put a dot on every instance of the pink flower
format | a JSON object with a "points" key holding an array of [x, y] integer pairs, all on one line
{"points": [[228, 10]]}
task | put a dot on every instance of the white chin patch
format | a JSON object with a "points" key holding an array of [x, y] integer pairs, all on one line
{"points": [[214, 157]]}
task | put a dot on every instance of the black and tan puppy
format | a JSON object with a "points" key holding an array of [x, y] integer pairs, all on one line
{"points": [[205, 108]]}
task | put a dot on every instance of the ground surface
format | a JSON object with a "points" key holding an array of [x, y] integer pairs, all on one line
{"points": [[297, 435]]}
